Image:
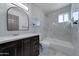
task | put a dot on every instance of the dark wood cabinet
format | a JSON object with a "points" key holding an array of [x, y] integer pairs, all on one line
{"points": [[19, 48], [35, 46], [23, 47], [8, 49], [26, 47], [31, 46]]}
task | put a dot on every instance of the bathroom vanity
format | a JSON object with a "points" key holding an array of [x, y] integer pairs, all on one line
{"points": [[20, 45]]}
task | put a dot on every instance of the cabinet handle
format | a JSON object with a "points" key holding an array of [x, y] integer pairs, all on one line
{"points": [[4, 53]]}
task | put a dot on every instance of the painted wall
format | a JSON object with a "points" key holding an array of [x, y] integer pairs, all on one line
{"points": [[61, 31], [75, 30], [34, 13], [37, 14]]}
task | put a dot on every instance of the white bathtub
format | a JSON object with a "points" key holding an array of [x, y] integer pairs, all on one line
{"points": [[59, 45]]}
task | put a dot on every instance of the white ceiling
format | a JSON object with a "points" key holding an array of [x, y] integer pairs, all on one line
{"points": [[48, 7]]}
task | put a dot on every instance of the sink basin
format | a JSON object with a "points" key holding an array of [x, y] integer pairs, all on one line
{"points": [[15, 34]]}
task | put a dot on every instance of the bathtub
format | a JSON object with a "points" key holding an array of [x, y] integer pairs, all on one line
{"points": [[59, 45]]}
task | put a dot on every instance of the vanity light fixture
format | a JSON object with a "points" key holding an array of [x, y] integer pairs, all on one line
{"points": [[21, 6]]}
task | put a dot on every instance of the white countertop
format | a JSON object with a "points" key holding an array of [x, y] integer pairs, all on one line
{"points": [[4, 39]]}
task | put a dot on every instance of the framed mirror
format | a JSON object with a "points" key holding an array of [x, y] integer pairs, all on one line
{"points": [[17, 19]]}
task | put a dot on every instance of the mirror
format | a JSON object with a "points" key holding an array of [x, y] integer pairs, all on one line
{"points": [[17, 19]]}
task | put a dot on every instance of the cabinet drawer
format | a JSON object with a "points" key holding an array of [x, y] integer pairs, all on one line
{"points": [[6, 45], [9, 51]]}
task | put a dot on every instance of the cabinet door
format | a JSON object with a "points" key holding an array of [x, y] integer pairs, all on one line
{"points": [[8, 51], [26, 47], [35, 46], [19, 48]]}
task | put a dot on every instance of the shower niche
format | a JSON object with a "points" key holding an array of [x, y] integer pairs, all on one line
{"points": [[17, 19]]}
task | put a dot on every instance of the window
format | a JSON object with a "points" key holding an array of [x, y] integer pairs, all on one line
{"points": [[63, 18], [75, 16], [60, 18], [66, 17]]}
